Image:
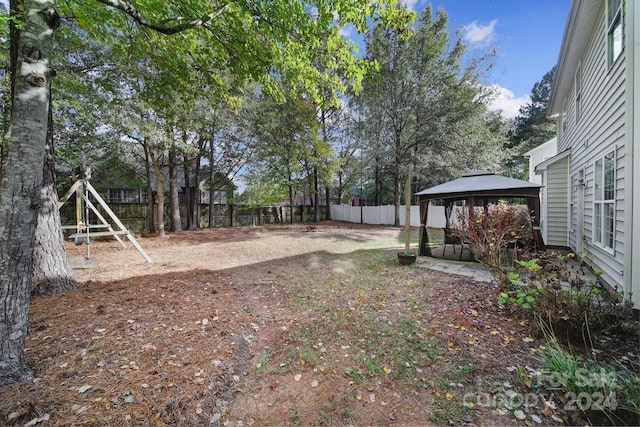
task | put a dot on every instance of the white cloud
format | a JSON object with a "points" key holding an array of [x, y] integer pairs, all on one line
{"points": [[507, 102], [411, 4], [479, 34], [346, 31]]}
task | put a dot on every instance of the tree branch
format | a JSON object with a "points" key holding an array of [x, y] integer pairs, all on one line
{"points": [[142, 20]]}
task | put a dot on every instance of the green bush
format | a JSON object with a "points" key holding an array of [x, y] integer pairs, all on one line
{"points": [[560, 297]]}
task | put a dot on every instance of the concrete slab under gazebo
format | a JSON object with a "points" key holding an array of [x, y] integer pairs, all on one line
{"points": [[479, 188]]}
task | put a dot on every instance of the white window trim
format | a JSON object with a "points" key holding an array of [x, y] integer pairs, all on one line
{"points": [[597, 239], [611, 25]]}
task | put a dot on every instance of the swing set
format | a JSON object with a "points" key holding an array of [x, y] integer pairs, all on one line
{"points": [[84, 231]]}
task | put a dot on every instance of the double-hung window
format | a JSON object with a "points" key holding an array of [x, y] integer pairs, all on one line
{"points": [[615, 40], [604, 201]]}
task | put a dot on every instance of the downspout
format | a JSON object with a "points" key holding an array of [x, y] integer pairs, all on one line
{"points": [[632, 164]]}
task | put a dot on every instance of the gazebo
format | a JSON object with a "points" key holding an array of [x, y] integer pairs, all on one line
{"points": [[478, 188]]}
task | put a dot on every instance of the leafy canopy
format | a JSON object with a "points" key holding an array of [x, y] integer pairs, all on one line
{"points": [[271, 42]]}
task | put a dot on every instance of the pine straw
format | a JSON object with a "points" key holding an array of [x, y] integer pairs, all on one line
{"points": [[142, 348]]}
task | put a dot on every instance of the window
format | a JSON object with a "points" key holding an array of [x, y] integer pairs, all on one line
{"points": [[578, 93], [122, 195], [604, 201], [614, 30], [219, 197]]}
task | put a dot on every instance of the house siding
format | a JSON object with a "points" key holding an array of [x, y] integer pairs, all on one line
{"points": [[600, 130], [556, 203], [538, 155]]}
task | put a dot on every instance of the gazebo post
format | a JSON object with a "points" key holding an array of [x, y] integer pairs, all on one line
{"points": [[533, 204], [425, 249]]}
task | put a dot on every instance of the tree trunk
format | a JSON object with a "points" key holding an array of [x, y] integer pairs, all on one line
{"points": [[21, 183], [52, 273], [195, 198], [188, 195], [174, 200], [291, 205], [316, 204], [397, 189], [328, 203], [147, 171], [211, 183], [160, 193]]}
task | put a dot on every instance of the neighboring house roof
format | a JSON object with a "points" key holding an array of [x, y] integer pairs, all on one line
{"points": [[543, 165], [542, 147], [480, 183], [577, 31]]}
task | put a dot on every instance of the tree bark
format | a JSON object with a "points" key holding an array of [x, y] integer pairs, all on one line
{"points": [[211, 184], [20, 191], [159, 191], [316, 195], [328, 204], [52, 273], [174, 201], [195, 197], [188, 196], [147, 171]]}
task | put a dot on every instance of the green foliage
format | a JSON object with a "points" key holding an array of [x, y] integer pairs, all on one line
{"points": [[267, 42], [532, 127], [262, 188], [561, 297], [5, 18], [287, 142], [593, 387], [424, 107]]}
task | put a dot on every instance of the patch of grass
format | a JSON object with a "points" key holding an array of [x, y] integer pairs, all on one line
{"points": [[261, 366], [414, 235], [595, 389], [447, 410], [448, 407]]}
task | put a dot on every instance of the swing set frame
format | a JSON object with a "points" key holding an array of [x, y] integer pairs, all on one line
{"points": [[82, 189]]}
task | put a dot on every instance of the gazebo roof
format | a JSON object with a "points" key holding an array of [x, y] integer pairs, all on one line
{"points": [[480, 183]]}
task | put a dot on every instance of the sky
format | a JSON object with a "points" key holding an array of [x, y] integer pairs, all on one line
{"points": [[526, 33]]}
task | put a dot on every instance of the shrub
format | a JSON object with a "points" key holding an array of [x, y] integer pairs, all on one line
{"points": [[562, 298], [490, 232]]}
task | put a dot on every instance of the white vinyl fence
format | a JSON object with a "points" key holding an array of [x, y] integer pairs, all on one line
{"points": [[385, 215]]}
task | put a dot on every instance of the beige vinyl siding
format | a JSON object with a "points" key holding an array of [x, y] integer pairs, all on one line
{"points": [[600, 130], [556, 203]]}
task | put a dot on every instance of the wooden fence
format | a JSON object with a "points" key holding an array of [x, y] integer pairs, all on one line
{"points": [[135, 216]]}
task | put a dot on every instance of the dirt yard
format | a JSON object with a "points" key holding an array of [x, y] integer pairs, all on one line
{"points": [[225, 248], [278, 325]]}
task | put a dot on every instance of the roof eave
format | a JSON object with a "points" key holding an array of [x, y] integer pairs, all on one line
{"points": [[543, 165], [582, 16]]}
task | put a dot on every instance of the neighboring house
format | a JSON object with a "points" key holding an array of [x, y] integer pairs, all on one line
{"points": [[596, 96], [539, 154], [536, 156], [117, 194]]}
